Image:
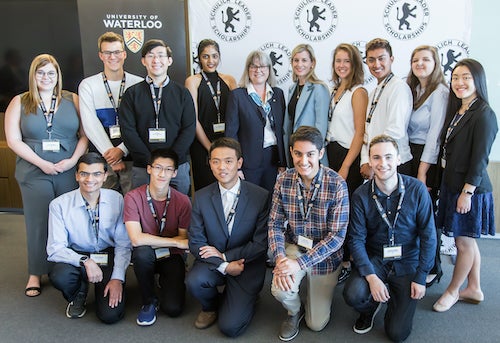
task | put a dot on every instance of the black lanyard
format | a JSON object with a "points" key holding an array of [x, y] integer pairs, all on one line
{"points": [[232, 211], [215, 95], [305, 210], [375, 100], [383, 213], [49, 116], [156, 99], [160, 223], [335, 102], [110, 94], [94, 220]]}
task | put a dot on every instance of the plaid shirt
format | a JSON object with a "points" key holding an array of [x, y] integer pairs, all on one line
{"points": [[326, 224]]}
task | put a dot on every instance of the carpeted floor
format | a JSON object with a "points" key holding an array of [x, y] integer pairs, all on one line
{"points": [[42, 319]]}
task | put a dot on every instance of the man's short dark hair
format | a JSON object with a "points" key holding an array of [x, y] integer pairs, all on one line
{"points": [[226, 142], [383, 139], [164, 153], [378, 43], [153, 43], [92, 158], [309, 134]]}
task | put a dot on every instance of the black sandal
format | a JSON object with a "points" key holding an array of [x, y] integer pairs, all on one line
{"points": [[37, 290]]}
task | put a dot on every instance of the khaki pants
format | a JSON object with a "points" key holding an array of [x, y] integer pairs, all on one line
{"points": [[319, 296]]}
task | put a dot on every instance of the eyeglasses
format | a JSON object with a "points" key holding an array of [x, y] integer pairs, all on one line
{"points": [[40, 74], [153, 56], [158, 169], [115, 53], [254, 67], [94, 174]]}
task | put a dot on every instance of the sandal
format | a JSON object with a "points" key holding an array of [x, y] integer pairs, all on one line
{"points": [[32, 291]]}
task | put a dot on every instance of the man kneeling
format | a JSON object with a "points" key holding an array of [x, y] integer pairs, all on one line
{"points": [[88, 242]]}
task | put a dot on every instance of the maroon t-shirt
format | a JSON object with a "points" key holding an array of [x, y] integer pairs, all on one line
{"points": [[136, 208]]}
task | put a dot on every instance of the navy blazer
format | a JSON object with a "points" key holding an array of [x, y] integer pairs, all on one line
{"points": [[245, 122], [248, 238], [468, 148]]}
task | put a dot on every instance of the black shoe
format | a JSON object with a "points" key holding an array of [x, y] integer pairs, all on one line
{"points": [[365, 321], [344, 274], [290, 327], [437, 278], [76, 308]]}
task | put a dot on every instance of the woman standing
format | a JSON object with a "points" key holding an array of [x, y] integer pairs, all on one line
{"points": [[209, 90], [466, 200], [346, 124], [254, 116], [430, 96], [308, 98], [43, 128]]}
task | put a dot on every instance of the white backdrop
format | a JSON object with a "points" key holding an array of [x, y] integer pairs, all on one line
{"points": [[278, 26]]}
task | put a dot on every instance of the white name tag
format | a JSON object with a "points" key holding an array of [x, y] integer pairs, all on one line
{"points": [[162, 253], [101, 259], [157, 135], [443, 163], [219, 128], [393, 252], [114, 131], [305, 242], [51, 145]]}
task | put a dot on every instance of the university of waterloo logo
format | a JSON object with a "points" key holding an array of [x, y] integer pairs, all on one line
{"points": [[451, 51], [315, 20], [406, 19], [230, 20], [280, 56], [133, 39]]}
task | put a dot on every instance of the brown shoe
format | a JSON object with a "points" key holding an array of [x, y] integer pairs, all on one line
{"points": [[205, 319]]}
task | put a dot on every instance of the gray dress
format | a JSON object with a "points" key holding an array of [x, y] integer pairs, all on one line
{"points": [[38, 188]]}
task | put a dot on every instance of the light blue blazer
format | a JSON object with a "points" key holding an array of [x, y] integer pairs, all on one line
{"points": [[312, 110]]}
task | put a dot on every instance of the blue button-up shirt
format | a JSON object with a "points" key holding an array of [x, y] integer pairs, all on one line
{"points": [[414, 229], [71, 230]]}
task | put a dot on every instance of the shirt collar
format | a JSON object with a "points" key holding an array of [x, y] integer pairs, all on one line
{"points": [[376, 191], [269, 90], [233, 190]]}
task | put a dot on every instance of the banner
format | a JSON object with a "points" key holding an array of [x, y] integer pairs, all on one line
{"points": [[276, 27], [137, 22]]}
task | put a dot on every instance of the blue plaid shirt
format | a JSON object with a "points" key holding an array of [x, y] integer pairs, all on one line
{"points": [[326, 224]]}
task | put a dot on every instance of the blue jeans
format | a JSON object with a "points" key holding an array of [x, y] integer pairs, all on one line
{"points": [[401, 307]]}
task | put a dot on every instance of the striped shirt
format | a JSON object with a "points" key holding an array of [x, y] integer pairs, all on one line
{"points": [[326, 223]]}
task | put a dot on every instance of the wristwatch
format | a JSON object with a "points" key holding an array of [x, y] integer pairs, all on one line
{"points": [[467, 192], [83, 259]]}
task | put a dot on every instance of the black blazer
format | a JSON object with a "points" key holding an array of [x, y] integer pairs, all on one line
{"points": [[245, 122], [468, 148]]}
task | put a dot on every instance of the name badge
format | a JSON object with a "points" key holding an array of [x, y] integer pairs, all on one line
{"points": [[101, 258], [51, 145], [443, 163], [162, 253], [219, 128], [305, 242], [114, 131], [157, 135], [393, 252]]}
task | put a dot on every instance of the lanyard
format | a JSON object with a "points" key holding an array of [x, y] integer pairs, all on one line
{"points": [[383, 213], [49, 116], [161, 224], [156, 99], [110, 94], [335, 102], [375, 100], [215, 95], [455, 121], [94, 220], [232, 211], [305, 210]]}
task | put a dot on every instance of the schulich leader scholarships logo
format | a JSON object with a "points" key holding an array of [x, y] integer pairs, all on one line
{"points": [[230, 20], [133, 26], [406, 19]]}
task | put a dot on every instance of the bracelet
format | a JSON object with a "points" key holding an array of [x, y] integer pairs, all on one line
{"points": [[467, 192]]}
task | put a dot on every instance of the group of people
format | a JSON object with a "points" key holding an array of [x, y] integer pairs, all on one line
{"points": [[325, 186]]}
